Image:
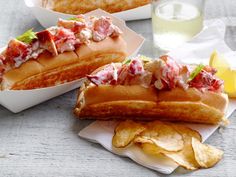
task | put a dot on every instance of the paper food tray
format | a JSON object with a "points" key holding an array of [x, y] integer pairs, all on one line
{"points": [[17, 101], [48, 17], [196, 51]]}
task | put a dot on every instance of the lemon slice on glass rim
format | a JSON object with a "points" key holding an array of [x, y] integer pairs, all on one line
{"points": [[225, 73]]}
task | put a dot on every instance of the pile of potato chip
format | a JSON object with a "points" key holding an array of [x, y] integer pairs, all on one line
{"points": [[177, 142]]}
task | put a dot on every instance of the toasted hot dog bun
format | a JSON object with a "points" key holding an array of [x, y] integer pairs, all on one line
{"points": [[139, 103], [47, 70], [83, 6]]}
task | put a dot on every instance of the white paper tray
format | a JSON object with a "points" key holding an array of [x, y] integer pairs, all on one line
{"points": [[49, 18], [17, 101]]}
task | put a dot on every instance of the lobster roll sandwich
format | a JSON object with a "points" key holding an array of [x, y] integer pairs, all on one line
{"points": [[159, 89], [62, 53]]}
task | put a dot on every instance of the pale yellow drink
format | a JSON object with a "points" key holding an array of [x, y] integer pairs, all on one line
{"points": [[174, 23]]}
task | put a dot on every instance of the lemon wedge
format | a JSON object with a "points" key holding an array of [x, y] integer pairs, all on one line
{"points": [[225, 73]]}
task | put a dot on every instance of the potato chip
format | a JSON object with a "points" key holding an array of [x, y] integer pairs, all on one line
{"points": [[151, 149], [206, 155], [177, 142], [185, 157], [184, 130], [143, 140], [125, 132], [148, 146], [162, 135]]}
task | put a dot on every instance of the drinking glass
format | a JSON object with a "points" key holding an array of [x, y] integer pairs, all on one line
{"points": [[175, 22]]}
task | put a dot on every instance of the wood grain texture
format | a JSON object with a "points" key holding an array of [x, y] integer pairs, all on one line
{"points": [[43, 141]]}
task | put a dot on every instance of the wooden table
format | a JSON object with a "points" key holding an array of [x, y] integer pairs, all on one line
{"points": [[43, 141]]}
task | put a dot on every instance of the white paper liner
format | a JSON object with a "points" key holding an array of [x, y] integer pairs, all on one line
{"points": [[48, 17], [17, 101], [196, 51]]}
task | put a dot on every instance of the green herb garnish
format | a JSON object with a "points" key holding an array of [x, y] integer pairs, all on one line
{"points": [[145, 59], [127, 61], [195, 72], [27, 37], [76, 19]]}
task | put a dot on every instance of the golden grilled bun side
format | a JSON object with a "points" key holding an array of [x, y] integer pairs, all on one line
{"points": [[47, 70], [137, 102], [136, 92], [193, 112], [29, 68], [83, 6]]}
